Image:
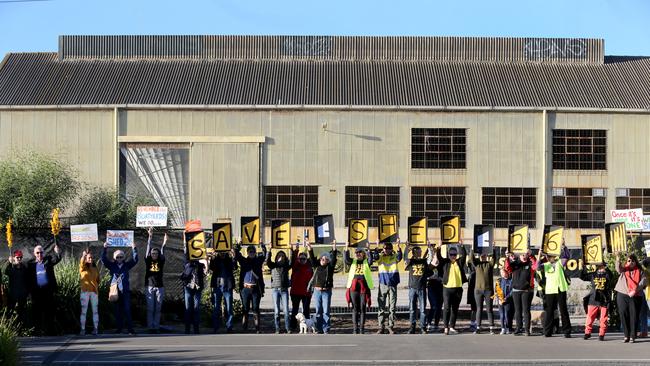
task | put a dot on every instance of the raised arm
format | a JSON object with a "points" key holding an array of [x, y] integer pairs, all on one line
{"points": [[269, 261], [407, 260], [148, 251]]}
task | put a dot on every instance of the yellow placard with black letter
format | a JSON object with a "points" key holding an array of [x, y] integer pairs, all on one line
{"points": [[250, 230], [518, 239], [616, 237], [222, 236], [388, 228], [196, 245], [417, 230], [552, 243], [592, 249], [450, 229], [281, 234], [357, 233]]}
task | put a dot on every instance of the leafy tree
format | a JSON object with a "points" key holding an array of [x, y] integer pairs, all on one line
{"points": [[106, 207]]}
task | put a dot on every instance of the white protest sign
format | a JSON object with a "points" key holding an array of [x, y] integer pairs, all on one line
{"points": [[83, 233], [646, 222], [646, 244], [119, 238], [151, 216], [632, 218]]}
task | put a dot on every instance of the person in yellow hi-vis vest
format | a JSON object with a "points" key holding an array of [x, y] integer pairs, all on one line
{"points": [[359, 285], [555, 285]]}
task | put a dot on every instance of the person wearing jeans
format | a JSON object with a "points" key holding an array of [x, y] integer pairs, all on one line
{"points": [[89, 283], [322, 283], [387, 261], [280, 284], [193, 278], [483, 288], [418, 267], [301, 274], [251, 283], [452, 281], [153, 279], [119, 270], [222, 266]]}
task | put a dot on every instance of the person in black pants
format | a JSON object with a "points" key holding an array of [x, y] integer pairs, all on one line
{"points": [[484, 288], [522, 271], [359, 285], [434, 294], [629, 294], [453, 278], [43, 288]]}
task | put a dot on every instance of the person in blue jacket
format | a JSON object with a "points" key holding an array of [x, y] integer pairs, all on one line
{"points": [[119, 270]]}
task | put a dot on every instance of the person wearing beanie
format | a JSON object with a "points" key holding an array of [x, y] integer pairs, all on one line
{"points": [[359, 285], [17, 286], [321, 283], [387, 261], [599, 298]]}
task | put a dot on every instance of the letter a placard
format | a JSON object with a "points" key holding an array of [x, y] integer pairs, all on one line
{"points": [[324, 229], [417, 230], [552, 243], [592, 249], [388, 226], [358, 233], [281, 234], [450, 229], [222, 236], [250, 230], [616, 237], [518, 239]]}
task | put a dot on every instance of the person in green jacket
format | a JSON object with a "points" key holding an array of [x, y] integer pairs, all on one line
{"points": [[359, 285], [555, 285]]}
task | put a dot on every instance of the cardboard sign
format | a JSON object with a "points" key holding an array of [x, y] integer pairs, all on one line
{"points": [[417, 230], [250, 230], [119, 238], [552, 242], [324, 229], [646, 223], [518, 239], [633, 218], [483, 239], [616, 237], [196, 245], [222, 236], [281, 234], [358, 233], [83, 233], [450, 229], [147, 216], [388, 228], [646, 244], [592, 249]]}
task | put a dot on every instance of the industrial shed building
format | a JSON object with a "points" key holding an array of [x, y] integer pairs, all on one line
{"points": [[497, 130]]}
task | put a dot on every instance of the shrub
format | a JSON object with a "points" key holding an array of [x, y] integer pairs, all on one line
{"points": [[9, 345], [108, 209]]}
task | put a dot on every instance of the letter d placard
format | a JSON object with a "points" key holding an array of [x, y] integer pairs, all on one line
{"points": [[450, 229]]}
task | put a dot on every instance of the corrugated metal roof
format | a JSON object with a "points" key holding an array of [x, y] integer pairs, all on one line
{"points": [[43, 79]]}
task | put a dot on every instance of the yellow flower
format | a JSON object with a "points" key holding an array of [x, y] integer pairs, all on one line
{"points": [[10, 236], [55, 224]]}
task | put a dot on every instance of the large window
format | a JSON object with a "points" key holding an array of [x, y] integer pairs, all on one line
{"points": [[580, 149], [503, 206], [434, 202], [438, 148], [296, 203], [579, 208], [627, 198], [367, 202]]}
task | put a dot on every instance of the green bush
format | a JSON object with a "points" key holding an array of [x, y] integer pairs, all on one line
{"points": [[108, 209], [9, 345]]}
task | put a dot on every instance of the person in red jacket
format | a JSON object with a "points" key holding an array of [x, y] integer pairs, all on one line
{"points": [[301, 274]]}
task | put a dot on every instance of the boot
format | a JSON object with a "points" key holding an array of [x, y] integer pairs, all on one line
{"points": [[355, 322], [362, 325], [244, 322], [256, 319]]}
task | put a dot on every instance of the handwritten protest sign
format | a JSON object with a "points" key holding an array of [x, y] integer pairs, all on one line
{"points": [[119, 238], [151, 216], [632, 218], [83, 233]]}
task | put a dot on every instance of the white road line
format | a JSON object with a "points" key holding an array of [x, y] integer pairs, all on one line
{"points": [[348, 361], [99, 346]]}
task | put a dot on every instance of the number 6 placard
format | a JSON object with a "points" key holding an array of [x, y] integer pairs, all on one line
{"points": [[552, 242]]}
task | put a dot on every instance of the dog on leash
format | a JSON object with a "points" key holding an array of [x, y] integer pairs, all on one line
{"points": [[306, 324]]}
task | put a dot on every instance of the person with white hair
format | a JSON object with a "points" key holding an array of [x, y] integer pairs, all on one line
{"points": [[119, 270], [322, 282], [43, 288]]}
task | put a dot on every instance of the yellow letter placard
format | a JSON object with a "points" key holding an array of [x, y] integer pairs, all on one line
{"points": [[281, 234], [616, 237], [358, 233], [518, 239], [450, 229], [388, 226], [222, 236], [552, 243], [417, 230], [196, 245], [592, 249], [250, 230]]}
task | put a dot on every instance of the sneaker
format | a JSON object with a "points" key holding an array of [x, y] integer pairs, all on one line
{"points": [[391, 331], [288, 331], [446, 331], [626, 340], [587, 336], [632, 340], [355, 331], [492, 331], [476, 331], [381, 331], [423, 331], [277, 331], [527, 334], [601, 338], [503, 331], [430, 328], [411, 330], [453, 331]]}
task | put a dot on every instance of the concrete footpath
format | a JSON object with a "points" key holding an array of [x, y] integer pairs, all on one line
{"points": [[330, 349]]}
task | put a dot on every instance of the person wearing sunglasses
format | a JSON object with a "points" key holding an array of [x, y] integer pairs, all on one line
{"points": [[43, 288], [251, 283], [301, 273], [119, 269], [16, 273], [359, 286], [629, 294], [483, 287], [453, 278]]}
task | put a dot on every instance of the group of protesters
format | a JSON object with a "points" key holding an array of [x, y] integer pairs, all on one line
{"points": [[436, 274]]}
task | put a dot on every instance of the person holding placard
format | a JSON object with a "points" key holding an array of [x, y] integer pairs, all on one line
{"points": [[222, 266], [322, 282], [119, 270], [483, 288], [301, 274], [193, 278], [453, 278], [153, 279], [629, 294], [418, 267], [251, 283], [645, 303], [387, 261], [89, 282], [555, 285], [359, 286], [599, 298], [43, 288], [434, 294], [280, 284], [17, 286], [522, 270]]}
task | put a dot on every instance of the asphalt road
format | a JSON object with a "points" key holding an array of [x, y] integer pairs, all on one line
{"points": [[333, 349]]}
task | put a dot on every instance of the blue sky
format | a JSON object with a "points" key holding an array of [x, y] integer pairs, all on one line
{"points": [[34, 26]]}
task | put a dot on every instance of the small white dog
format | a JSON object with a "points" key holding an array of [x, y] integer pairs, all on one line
{"points": [[306, 324]]}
